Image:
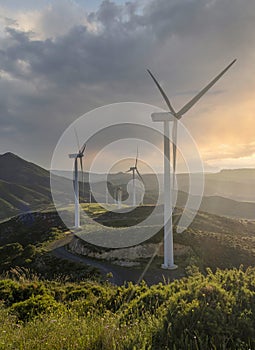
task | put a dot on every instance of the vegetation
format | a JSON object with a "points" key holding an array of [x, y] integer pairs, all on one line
{"points": [[27, 240], [50, 303], [212, 311], [215, 241]]}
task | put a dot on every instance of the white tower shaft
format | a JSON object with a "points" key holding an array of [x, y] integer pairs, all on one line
{"points": [[76, 191], [106, 195], [119, 198], [166, 118], [134, 189], [168, 227]]}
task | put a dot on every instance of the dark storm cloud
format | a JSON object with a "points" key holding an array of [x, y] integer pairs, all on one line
{"points": [[125, 41], [48, 82]]}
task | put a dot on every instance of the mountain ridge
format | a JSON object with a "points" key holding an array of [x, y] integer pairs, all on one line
{"points": [[25, 186]]}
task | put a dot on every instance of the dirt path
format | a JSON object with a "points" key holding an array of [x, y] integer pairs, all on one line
{"points": [[63, 253]]}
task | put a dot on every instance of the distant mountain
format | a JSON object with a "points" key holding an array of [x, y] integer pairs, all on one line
{"points": [[237, 184], [24, 186], [245, 175], [16, 170], [222, 206]]}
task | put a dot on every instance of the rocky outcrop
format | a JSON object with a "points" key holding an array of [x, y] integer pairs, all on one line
{"points": [[125, 256]]}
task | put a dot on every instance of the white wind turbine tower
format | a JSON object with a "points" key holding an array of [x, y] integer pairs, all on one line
{"points": [[77, 156], [134, 170], [115, 194], [173, 116], [90, 196], [119, 197], [106, 194]]}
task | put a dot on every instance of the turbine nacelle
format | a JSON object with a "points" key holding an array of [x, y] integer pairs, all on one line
{"points": [[162, 117], [73, 155], [76, 155]]}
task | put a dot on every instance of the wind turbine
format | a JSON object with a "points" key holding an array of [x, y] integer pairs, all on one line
{"points": [[115, 195], [119, 196], [90, 196], [106, 194], [174, 116], [77, 156], [134, 170]]}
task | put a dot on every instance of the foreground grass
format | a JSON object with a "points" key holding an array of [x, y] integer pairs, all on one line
{"points": [[70, 331], [216, 311]]}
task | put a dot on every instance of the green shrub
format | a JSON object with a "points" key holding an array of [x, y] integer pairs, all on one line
{"points": [[12, 291], [212, 311], [34, 306]]}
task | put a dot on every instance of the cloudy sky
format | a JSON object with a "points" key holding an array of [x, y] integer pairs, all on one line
{"points": [[60, 59]]}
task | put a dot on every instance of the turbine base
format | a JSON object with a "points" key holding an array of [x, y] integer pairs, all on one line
{"points": [[166, 267]]}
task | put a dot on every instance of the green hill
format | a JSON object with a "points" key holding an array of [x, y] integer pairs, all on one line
{"points": [[17, 170], [213, 241], [16, 198], [56, 304], [26, 242], [24, 186]]}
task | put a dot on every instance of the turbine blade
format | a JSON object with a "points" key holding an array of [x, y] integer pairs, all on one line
{"points": [[162, 93], [77, 139], [138, 173], [203, 91], [136, 160], [82, 149], [128, 171], [174, 137]]}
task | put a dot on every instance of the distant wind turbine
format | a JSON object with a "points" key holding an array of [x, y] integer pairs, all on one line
{"points": [[119, 196], [77, 156], [173, 116], [106, 194], [134, 170], [115, 195]]}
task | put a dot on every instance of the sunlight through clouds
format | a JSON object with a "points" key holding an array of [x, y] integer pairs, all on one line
{"points": [[60, 59]]}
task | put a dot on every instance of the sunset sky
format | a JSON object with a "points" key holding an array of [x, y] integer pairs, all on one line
{"points": [[60, 59]]}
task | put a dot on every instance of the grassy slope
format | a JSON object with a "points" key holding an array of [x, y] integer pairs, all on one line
{"points": [[215, 311], [27, 240], [17, 198], [212, 311], [23, 186], [215, 241]]}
